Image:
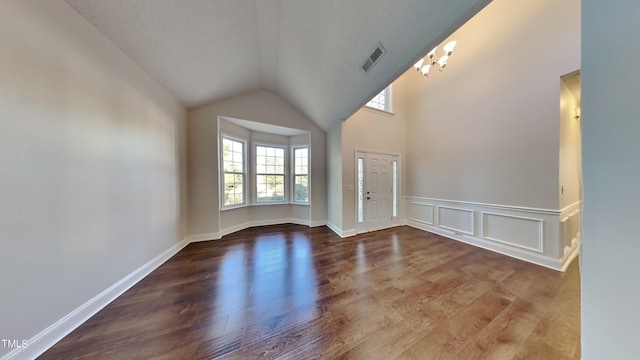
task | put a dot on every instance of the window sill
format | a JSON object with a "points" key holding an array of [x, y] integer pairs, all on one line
{"points": [[300, 203], [267, 203], [233, 207], [264, 204], [382, 112]]}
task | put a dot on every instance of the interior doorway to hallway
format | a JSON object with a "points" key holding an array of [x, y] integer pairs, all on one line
{"points": [[377, 190]]}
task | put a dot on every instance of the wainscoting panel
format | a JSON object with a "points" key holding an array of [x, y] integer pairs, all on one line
{"points": [[456, 219], [523, 232], [531, 234], [421, 212]]}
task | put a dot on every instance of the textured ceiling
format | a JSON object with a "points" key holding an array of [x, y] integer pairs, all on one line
{"points": [[309, 52]]}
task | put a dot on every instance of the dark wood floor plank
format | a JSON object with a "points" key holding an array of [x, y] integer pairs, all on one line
{"points": [[293, 292]]}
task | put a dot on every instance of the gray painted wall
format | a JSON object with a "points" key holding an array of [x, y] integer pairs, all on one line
{"points": [[334, 176], [92, 166], [611, 173]]}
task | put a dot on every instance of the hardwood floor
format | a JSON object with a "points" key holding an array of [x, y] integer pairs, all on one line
{"points": [[293, 292]]}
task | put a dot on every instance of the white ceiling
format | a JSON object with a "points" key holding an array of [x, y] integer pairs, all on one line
{"points": [[309, 52]]}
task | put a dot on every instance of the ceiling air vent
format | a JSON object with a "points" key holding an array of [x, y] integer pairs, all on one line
{"points": [[373, 58]]}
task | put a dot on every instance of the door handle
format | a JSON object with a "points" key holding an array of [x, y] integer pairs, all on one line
{"points": [[368, 198]]}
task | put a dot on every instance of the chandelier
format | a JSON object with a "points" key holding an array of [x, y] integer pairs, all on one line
{"points": [[430, 59]]}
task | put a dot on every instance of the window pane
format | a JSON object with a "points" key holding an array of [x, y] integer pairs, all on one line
{"points": [[270, 188], [301, 192], [301, 153], [237, 147], [382, 101], [270, 173], [233, 172], [300, 172]]}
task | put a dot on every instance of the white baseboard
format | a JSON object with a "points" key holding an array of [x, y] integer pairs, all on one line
{"points": [[349, 232], [334, 228], [204, 237], [61, 328], [249, 224], [318, 223], [538, 259], [339, 231]]}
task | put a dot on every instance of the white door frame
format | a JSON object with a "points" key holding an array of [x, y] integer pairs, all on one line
{"points": [[361, 153]]}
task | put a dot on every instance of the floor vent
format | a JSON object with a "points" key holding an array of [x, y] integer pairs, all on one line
{"points": [[373, 58]]}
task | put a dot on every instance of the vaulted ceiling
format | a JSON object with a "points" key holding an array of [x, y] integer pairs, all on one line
{"points": [[309, 52]]}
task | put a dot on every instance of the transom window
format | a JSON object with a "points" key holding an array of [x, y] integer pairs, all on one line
{"points": [[233, 164], [382, 101], [301, 174], [270, 174]]}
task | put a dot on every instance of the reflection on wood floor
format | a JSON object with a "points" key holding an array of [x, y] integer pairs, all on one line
{"points": [[293, 292]]}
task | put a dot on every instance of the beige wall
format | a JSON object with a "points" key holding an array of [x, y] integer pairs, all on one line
{"points": [[486, 129], [373, 130], [570, 151], [92, 165], [263, 107]]}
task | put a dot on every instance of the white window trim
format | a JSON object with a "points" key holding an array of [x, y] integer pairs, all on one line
{"points": [[388, 100], [254, 175], [293, 175], [221, 172], [395, 180]]}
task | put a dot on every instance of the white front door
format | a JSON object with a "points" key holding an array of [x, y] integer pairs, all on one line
{"points": [[376, 183]]}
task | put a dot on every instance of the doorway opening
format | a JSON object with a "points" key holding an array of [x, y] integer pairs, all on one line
{"points": [[570, 162]]}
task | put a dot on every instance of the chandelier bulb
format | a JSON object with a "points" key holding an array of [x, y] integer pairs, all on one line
{"points": [[443, 61], [448, 48], [432, 53], [424, 65], [425, 70]]}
